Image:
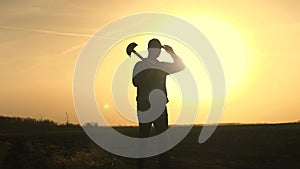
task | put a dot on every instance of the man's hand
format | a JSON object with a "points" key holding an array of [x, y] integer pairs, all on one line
{"points": [[169, 49], [177, 64]]}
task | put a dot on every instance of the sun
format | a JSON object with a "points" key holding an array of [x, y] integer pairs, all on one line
{"points": [[105, 106], [231, 46], [228, 42]]}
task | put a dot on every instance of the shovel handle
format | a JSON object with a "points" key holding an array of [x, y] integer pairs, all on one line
{"points": [[138, 55]]}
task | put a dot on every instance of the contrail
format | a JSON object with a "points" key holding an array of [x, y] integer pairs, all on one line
{"points": [[61, 33], [51, 32], [108, 35], [71, 49]]}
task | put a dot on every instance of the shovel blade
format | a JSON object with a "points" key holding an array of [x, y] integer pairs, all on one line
{"points": [[130, 48]]}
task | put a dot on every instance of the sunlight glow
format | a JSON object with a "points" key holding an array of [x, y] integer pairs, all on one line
{"points": [[232, 50], [231, 46], [106, 106]]}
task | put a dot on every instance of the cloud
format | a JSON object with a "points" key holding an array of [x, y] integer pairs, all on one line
{"points": [[51, 32]]}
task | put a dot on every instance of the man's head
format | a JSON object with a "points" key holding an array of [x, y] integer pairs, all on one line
{"points": [[154, 48]]}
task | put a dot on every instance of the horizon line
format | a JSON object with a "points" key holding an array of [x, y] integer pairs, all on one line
{"points": [[179, 125]]}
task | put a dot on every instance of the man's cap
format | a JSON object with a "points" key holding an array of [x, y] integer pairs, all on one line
{"points": [[154, 43]]}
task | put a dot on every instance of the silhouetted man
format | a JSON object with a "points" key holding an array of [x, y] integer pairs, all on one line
{"points": [[148, 75]]}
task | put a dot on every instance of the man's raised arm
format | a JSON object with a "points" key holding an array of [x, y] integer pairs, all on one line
{"points": [[177, 64]]}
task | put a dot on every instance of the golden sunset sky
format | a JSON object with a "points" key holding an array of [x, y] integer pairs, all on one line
{"points": [[257, 43]]}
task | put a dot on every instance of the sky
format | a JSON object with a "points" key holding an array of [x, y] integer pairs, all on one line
{"points": [[257, 43]]}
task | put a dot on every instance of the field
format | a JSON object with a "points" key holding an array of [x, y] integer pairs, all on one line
{"points": [[31, 144]]}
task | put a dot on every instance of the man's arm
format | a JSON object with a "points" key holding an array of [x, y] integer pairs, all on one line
{"points": [[177, 64]]}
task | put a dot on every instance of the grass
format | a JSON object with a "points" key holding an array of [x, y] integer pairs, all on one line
{"points": [[31, 144]]}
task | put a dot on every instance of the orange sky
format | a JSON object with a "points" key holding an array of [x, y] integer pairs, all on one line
{"points": [[257, 42]]}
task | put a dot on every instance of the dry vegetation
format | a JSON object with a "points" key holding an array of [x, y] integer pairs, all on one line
{"points": [[32, 144]]}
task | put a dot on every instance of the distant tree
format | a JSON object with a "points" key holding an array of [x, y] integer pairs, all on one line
{"points": [[67, 119]]}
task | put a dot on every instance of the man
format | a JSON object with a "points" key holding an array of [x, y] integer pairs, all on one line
{"points": [[148, 75]]}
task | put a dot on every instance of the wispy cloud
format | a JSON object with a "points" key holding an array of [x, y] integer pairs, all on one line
{"points": [[51, 32], [108, 35], [71, 49]]}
